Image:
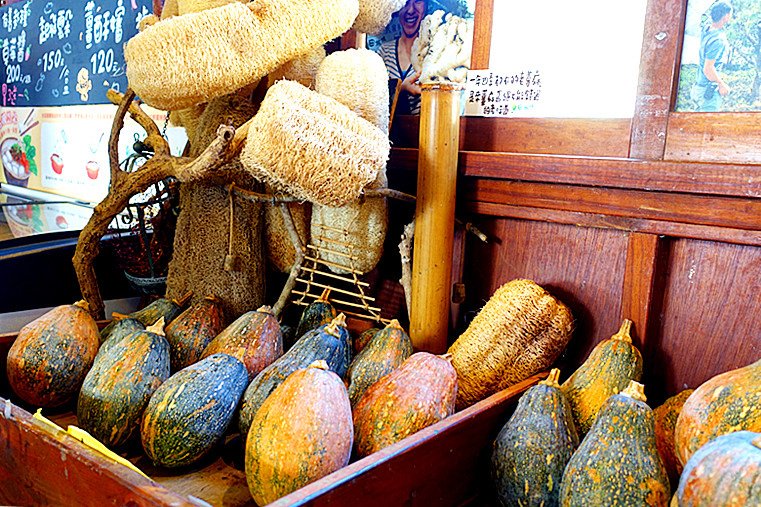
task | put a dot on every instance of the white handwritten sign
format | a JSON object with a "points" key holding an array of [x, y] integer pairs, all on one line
{"points": [[502, 93]]}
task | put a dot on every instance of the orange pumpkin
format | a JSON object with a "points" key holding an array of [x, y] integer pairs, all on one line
{"points": [[665, 424]]}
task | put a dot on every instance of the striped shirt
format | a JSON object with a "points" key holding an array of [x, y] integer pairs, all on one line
{"points": [[389, 51]]}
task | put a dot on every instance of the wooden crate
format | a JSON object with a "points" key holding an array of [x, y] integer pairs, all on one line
{"points": [[440, 465]]}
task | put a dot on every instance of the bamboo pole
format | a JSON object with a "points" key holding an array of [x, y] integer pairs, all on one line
{"points": [[434, 216]]}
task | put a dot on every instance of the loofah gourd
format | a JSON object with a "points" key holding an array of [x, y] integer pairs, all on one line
{"points": [[278, 245], [302, 68], [171, 8], [520, 331], [374, 15], [201, 240], [442, 51], [190, 59], [187, 118], [311, 146], [191, 6], [357, 78]]}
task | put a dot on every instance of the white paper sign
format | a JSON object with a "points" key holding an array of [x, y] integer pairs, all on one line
{"points": [[503, 93]]}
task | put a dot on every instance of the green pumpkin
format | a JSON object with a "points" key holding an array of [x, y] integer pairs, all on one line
{"points": [[618, 463], [724, 472], [119, 329], [533, 448], [319, 312], [611, 365]]}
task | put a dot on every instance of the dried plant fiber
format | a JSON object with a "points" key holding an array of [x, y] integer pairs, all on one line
{"points": [[279, 248], [171, 8], [357, 78], [187, 118], [374, 15], [202, 236], [442, 51], [303, 68], [190, 59], [311, 146], [520, 331], [191, 6]]}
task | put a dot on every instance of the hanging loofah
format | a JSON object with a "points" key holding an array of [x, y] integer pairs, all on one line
{"points": [[357, 78], [374, 15], [277, 243], [190, 59], [202, 241], [191, 6], [442, 51], [520, 331], [302, 68], [171, 8], [187, 118], [311, 146]]}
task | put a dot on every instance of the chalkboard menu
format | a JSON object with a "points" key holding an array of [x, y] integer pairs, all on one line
{"points": [[65, 52]]}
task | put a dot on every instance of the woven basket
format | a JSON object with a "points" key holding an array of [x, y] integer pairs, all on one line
{"points": [[302, 69], [357, 78], [309, 145], [190, 59], [520, 331], [374, 15]]}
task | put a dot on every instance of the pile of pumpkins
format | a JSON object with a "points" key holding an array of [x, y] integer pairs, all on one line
{"points": [[305, 412], [630, 454]]}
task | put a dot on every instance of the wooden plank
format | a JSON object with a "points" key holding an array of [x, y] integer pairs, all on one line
{"points": [[440, 465], [711, 317], [732, 212], [558, 136], [661, 44], [483, 19], [714, 137], [703, 232], [739, 180], [583, 267], [40, 467], [639, 283]]}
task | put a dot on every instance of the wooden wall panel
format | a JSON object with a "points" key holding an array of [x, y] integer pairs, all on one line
{"points": [[710, 318], [583, 267], [714, 137]]}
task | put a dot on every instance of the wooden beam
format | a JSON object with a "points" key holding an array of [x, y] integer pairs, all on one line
{"points": [[483, 20], [639, 282], [714, 137]]}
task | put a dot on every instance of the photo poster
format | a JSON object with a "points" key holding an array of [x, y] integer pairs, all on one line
{"points": [[405, 23], [59, 58], [737, 44]]}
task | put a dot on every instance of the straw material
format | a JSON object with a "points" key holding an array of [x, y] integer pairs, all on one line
{"points": [[190, 6], [357, 78], [278, 245], [442, 51], [520, 331], [313, 147], [171, 8], [302, 68], [190, 59], [374, 15]]}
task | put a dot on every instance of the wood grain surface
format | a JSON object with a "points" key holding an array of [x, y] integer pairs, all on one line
{"points": [[714, 137]]}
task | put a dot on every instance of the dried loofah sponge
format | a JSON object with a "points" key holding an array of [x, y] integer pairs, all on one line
{"points": [[520, 331], [277, 242], [190, 6], [311, 146], [171, 8], [187, 118], [357, 78], [442, 51], [302, 68], [190, 59], [374, 15]]}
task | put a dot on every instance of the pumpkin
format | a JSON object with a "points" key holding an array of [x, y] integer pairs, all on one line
{"points": [[120, 383], [363, 339], [52, 354], [520, 331], [385, 352], [302, 432], [724, 472], [617, 463], [665, 424], [419, 393], [328, 342], [190, 412], [162, 307], [728, 402], [317, 313], [192, 331], [254, 339], [611, 365], [120, 329], [534, 446]]}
